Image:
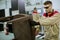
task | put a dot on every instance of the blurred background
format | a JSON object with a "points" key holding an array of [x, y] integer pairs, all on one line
{"points": [[14, 7]]}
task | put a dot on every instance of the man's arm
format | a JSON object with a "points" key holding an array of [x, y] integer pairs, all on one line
{"points": [[34, 23], [50, 20], [36, 17]]}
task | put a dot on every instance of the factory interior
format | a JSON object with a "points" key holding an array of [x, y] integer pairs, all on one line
{"points": [[17, 20]]}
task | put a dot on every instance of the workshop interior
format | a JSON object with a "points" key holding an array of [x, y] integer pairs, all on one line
{"points": [[17, 19]]}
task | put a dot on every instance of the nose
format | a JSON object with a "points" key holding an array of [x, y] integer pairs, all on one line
{"points": [[46, 9]]}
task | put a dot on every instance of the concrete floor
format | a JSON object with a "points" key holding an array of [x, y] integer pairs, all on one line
{"points": [[8, 37]]}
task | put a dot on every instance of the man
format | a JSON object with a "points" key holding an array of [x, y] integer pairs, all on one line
{"points": [[50, 21], [36, 17]]}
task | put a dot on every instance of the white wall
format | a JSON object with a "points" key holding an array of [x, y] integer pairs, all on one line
{"points": [[33, 4], [5, 4], [56, 4], [7, 12], [16, 12]]}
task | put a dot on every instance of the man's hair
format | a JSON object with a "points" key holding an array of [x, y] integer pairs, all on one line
{"points": [[35, 8], [47, 2]]}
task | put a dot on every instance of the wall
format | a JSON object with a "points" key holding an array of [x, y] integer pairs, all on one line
{"points": [[56, 4], [5, 4]]}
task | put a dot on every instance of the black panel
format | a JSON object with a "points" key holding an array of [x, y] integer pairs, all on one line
{"points": [[14, 4], [1, 27], [10, 28], [10, 11], [21, 6], [2, 13]]}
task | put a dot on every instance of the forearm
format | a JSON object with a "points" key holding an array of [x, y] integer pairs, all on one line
{"points": [[50, 20], [33, 23]]}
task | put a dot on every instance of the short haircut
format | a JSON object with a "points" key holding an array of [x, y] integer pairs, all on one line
{"points": [[47, 2], [35, 8]]}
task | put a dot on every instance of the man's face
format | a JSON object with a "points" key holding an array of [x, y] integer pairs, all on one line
{"points": [[48, 8]]}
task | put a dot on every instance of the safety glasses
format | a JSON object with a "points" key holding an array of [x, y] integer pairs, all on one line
{"points": [[46, 7]]}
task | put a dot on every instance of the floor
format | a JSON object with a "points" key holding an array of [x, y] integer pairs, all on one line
{"points": [[8, 37]]}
